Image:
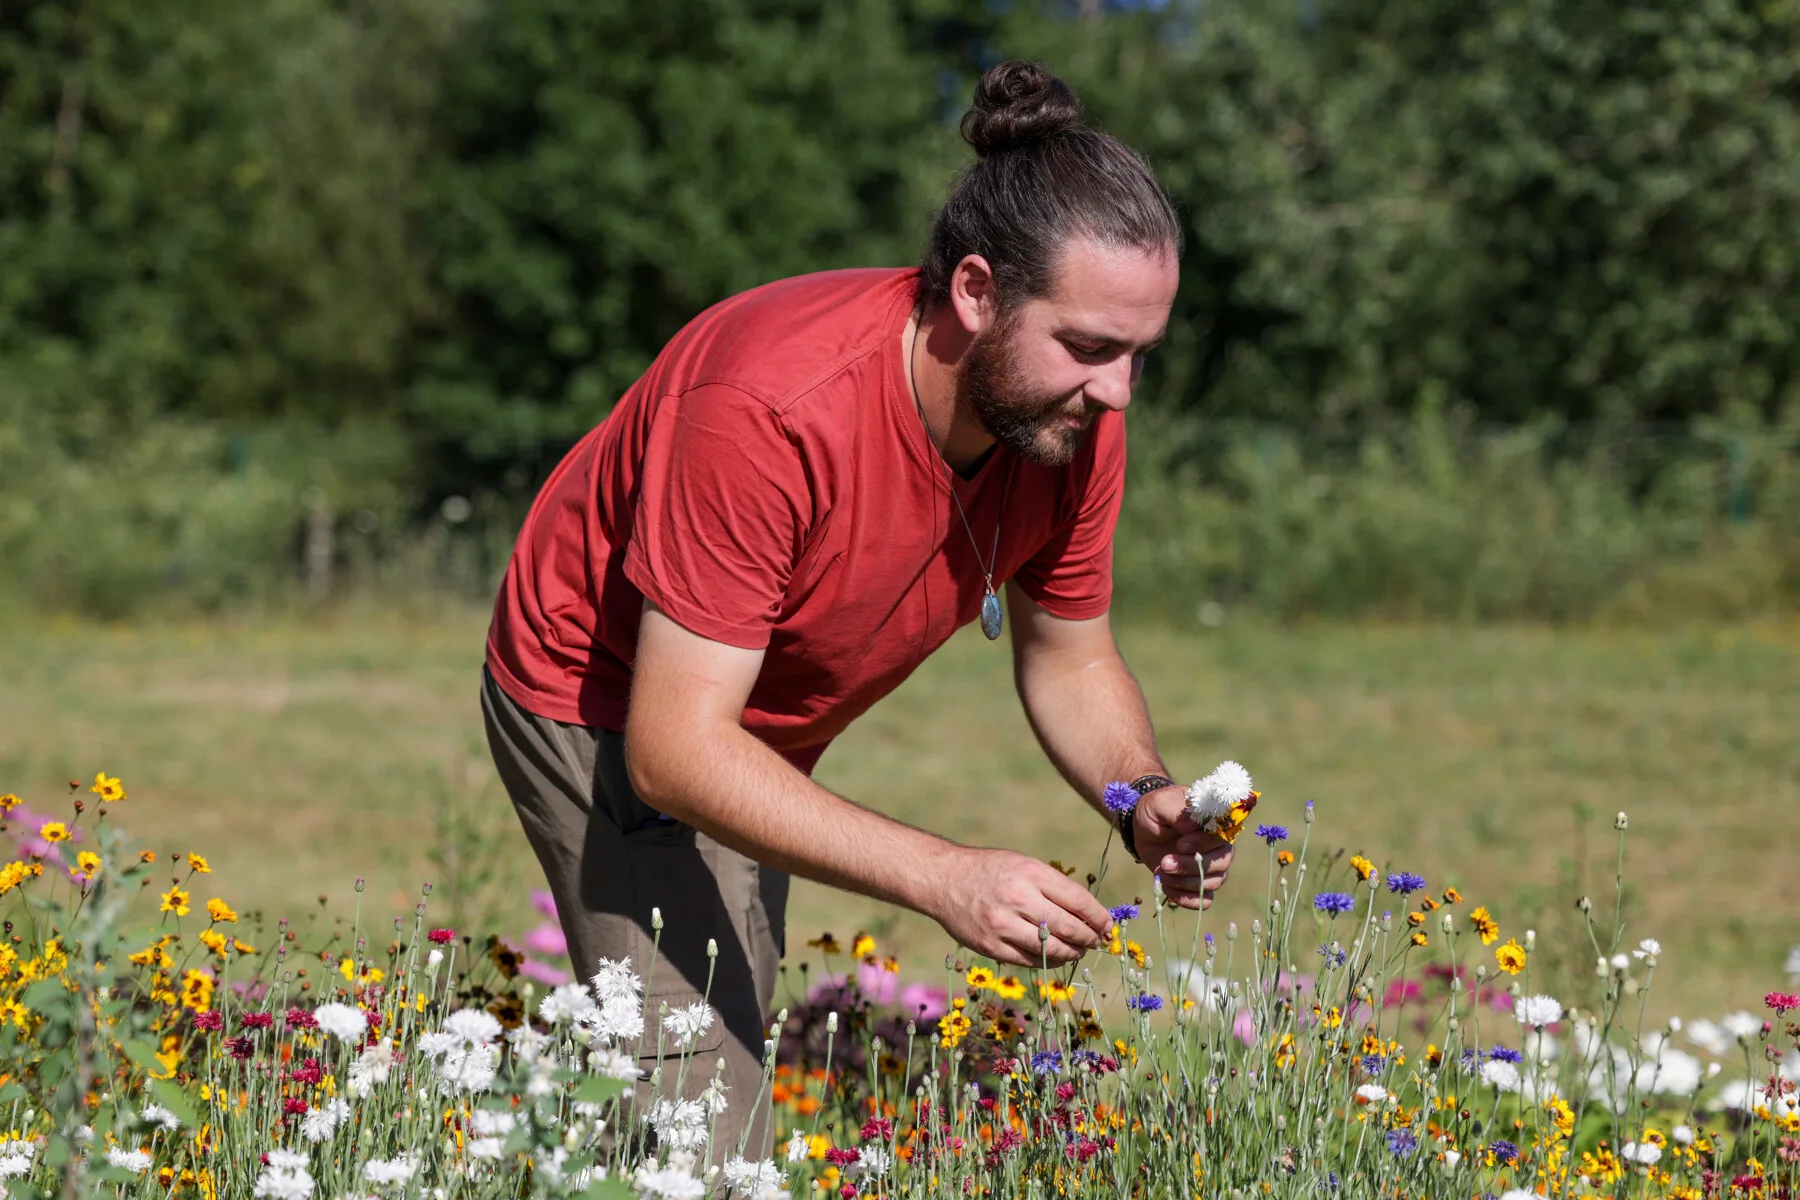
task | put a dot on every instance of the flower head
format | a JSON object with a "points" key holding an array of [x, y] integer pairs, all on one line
{"points": [[1047, 1062], [1511, 957], [1124, 912], [1402, 1142], [441, 937], [198, 863], [1485, 925], [220, 911], [1119, 797], [108, 787], [1782, 1002], [1272, 833], [53, 831], [1405, 883], [1334, 902], [342, 1021], [1538, 1011], [1504, 1151], [1144, 1002], [175, 901]]}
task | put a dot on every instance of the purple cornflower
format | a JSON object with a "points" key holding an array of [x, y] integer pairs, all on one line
{"points": [[1334, 956], [1405, 883], [1374, 1064], [1125, 912], [1504, 1151], [1272, 833], [1334, 902], [1505, 1055], [1402, 1142], [1144, 1003], [1047, 1062], [1209, 939], [1119, 797]]}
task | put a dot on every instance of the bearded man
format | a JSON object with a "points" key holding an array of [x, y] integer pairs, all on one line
{"points": [[814, 485]]}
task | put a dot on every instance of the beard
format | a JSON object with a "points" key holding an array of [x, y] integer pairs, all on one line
{"points": [[996, 388]]}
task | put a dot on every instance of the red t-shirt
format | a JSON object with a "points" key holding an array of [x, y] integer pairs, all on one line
{"points": [[768, 484]]}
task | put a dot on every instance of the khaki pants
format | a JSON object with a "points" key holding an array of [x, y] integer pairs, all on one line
{"points": [[610, 859]]}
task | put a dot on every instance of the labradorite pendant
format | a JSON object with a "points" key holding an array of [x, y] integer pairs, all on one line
{"points": [[991, 622]]}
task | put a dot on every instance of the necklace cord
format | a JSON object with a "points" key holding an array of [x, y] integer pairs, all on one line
{"points": [[987, 568]]}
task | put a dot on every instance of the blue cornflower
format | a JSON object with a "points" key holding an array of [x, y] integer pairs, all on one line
{"points": [[1272, 833], [1334, 956], [1334, 902], [1503, 1054], [1374, 1064], [1504, 1151], [1403, 1142], [1209, 939], [1119, 797], [1144, 1003], [1469, 1059], [1047, 1062], [1125, 912], [1405, 883]]}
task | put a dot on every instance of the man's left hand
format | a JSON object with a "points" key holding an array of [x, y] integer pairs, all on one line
{"points": [[1192, 864]]}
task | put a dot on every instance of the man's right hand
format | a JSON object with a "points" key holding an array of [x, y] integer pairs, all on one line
{"points": [[992, 901]]}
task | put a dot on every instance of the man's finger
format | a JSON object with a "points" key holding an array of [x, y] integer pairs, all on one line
{"points": [[1074, 899]]}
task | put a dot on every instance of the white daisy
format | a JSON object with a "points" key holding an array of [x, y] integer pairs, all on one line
{"points": [[615, 979], [1644, 1155], [1538, 1011], [798, 1147], [135, 1161], [1211, 798], [342, 1021], [687, 1023], [386, 1172], [565, 1003]]}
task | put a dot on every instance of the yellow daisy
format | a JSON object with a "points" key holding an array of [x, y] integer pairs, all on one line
{"points": [[108, 787], [176, 901], [53, 831], [1511, 957], [1485, 925]]}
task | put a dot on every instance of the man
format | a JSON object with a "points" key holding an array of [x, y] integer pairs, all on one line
{"points": [[813, 486]]}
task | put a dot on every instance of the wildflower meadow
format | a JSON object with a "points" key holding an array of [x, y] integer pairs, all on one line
{"points": [[1373, 1034]]}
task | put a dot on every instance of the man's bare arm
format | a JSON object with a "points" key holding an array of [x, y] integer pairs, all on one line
{"points": [[690, 758], [1089, 714]]}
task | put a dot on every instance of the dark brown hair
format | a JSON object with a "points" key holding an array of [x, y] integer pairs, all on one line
{"points": [[1042, 175]]}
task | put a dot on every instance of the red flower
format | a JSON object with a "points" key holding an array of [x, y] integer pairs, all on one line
{"points": [[309, 1071], [842, 1158], [299, 1018], [209, 1021], [877, 1127], [1782, 1002], [441, 937], [255, 1020], [240, 1047], [293, 1106]]}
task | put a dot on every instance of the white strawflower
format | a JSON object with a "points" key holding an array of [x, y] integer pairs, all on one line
{"points": [[797, 1147], [672, 1182], [754, 1178], [434, 960], [615, 979], [679, 1124], [1538, 1011], [1649, 948], [386, 1172], [320, 1123], [613, 1064], [1645, 1155], [1709, 1036], [342, 1021], [875, 1162], [565, 1003], [1741, 1024], [492, 1122], [14, 1165], [158, 1115], [1372, 1093], [687, 1023], [475, 1026], [135, 1161], [1451, 1158], [1683, 1135], [1502, 1075], [619, 1018], [1211, 798], [371, 1067], [285, 1177]]}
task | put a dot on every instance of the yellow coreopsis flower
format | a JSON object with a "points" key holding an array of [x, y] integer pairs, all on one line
{"points": [[13, 874], [196, 991], [980, 978], [8, 802], [1485, 925], [243, 948], [220, 911], [1362, 866], [108, 787], [175, 901], [1054, 990], [13, 1011], [87, 865], [1511, 957], [53, 831], [825, 944], [1009, 987], [862, 945], [1136, 953], [199, 863], [214, 941]]}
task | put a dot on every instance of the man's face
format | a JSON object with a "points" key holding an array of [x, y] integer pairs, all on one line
{"points": [[1038, 375]]}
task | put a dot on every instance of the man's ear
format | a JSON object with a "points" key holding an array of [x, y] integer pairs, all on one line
{"points": [[974, 297]]}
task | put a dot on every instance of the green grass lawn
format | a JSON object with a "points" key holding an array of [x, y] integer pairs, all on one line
{"points": [[300, 756]]}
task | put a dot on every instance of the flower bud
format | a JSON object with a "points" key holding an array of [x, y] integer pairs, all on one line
{"points": [[712, 948], [1449, 922], [1256, 927], [1309, 812], [830, 1022], [1585, 905], [1451, 1158], [1619, 822], [1275, 909], [1231, 931], [1387, 922], [656, 918], [1531, 939]]}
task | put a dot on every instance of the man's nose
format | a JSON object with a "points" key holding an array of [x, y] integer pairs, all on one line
{"points": [[1110, 387]]}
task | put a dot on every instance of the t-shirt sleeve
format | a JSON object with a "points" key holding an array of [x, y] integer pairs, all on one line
{"points": [[722, 511], [1072, 575]]}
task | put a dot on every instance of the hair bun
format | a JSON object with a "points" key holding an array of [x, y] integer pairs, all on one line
{"points": [[1016, 104]]}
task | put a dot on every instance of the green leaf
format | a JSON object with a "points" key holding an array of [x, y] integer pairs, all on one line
{"points": [[45, 995], [176, 1101], [608, 1189], [595, 1090], [58, 1152], [12, 1092], [144, 1055]]}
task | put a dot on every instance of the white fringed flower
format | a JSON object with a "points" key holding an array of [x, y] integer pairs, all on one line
{"points": [[679, 1124], [285, 1177], [343, 1021], [135, 1161], [615, 979], [371, 1067], [320, 1123], [1645, 1155], [1538, 1011], [798, 1147], [565, 1003], [1211, 798], [752, 1178], [687, 1023], [387, 1172], [675, 1181]]}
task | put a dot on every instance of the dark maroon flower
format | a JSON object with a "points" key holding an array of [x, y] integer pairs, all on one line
{"points": [[441, 937], [255, 1020], [293, 1106], [1065, 1091], [309, 1071], [840, 1158], [240, 1046], [209, 1021], [300, 1018]]}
